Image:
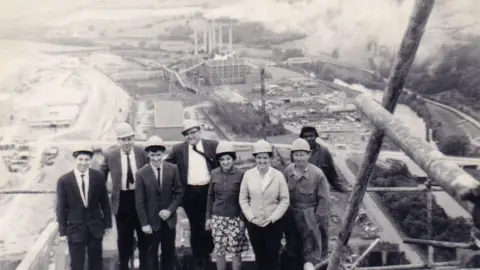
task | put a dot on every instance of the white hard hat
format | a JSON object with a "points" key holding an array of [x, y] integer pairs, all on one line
{"points": [[300, 145], [262, 146], [154, 141], [124, 130], [225, 147], [83, 149], [189, 124]]}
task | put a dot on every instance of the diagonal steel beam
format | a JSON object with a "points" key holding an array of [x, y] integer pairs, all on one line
{"points": [[406, 54]]}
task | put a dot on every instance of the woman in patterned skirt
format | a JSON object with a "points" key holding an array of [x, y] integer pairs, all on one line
{"points": [[224, 215]]}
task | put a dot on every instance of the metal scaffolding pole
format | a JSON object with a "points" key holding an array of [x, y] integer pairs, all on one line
{"points": [[454, 180], [396, 81]]}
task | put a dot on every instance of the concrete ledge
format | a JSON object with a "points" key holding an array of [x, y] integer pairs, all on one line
{"points": [[38, 256]]}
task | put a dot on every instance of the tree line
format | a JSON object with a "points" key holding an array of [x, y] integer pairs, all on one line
{"points": [[458, 144], [409, 210], [245, 120]]}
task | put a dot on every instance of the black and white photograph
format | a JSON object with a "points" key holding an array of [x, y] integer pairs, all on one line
{"points": [[239, 134]]}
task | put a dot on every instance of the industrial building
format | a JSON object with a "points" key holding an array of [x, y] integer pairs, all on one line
{"points": [[59, 115], [169, 117]]}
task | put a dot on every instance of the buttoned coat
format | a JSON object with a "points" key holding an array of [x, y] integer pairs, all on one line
{"points": [[74, 219], [151, 197]]}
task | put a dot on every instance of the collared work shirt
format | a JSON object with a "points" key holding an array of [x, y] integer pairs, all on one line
{"points": [[133, 164], [198, 173], [309, 189], [86, 179]]}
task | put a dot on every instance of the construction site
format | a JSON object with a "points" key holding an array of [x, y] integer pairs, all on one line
{"points": [[95, 90]]}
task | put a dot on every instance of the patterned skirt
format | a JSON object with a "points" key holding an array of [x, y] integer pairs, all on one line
{"points": [[227, 236]]}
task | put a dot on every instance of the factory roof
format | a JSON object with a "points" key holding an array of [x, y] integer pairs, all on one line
{"points": [[226, 62], [168, 114]]}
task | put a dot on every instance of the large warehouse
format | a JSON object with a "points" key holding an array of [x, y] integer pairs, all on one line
{"points": [[169, 117]]}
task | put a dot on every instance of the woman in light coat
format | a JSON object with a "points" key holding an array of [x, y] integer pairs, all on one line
{"points": [[264, 198]]}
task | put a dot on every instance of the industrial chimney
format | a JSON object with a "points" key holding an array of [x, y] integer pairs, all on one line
{"points": [[220, 37], [195, 41], [230, 37], [210, 40], [204, 41], [214, 40]]}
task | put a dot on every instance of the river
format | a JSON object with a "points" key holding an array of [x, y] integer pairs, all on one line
{"points": [[402, 112]]}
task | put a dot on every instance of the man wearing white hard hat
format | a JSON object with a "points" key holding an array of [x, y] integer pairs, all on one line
{"points": [[83, 211], [158, 193], [307, 218], [195, 159], [122, 163]]}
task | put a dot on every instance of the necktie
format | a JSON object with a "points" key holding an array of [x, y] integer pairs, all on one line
{"points": [[130, 179], [194, 147], [83, 186], [159, 179]]}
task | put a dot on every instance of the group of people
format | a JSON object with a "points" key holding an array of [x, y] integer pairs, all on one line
{"points": [[227, 208]]}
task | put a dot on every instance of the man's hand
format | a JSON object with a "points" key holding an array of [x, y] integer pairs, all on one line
{"points": [[165, 214], [147, 229], [63, 238], [208, 224]]}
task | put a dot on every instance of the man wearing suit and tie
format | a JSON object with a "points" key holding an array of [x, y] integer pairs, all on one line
{"points": [[158, 193], [122, 163], [195, 159], [83, 211]]}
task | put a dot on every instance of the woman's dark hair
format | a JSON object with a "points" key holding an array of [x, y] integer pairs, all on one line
{"points": [[270, 154], [231, 154], [155, 148]]}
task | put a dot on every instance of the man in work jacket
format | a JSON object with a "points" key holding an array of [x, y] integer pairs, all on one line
{"points": [[321, 157]]}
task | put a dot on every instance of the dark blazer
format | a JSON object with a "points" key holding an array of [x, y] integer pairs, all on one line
{"points": [[150, 198], [179, 156], [113, 164], [74, 219]]}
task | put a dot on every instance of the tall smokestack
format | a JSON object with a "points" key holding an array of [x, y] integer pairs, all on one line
{"points": [[195, 41], [214, 41], [220, 37], [204, 41], [230, 37], [210, 41]]}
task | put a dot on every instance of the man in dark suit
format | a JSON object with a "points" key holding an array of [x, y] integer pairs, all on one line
{"points": [[83, 211], [195, 159], [158, 193], [122, 163]]}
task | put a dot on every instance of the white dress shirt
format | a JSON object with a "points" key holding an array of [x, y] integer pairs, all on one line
{"points": [[78, 177], [133, 163], [198, 173]]}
